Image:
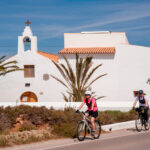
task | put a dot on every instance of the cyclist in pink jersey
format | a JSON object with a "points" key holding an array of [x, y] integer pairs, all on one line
{"points": [[92, 108]]}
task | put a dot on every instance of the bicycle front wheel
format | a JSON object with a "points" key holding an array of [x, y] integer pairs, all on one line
{"points": [[81, 131], [97, 129], [138, 124], [147, 124]]}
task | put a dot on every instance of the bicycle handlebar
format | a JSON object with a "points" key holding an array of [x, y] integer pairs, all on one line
{"points": [[81, 112]]}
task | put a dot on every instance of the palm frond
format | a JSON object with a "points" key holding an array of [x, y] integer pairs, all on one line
{"points": [[56, 78], [148, 81], [90, 75], [95, 80], [79, 70], [10, 62], [65, 97], [60, 70], [16, 67], [1, 59], [100, 97], [8, 66], [86, 70], [72, 75], [8, 71]]}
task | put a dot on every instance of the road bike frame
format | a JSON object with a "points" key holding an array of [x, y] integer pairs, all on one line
{"points": [[86, 120]]}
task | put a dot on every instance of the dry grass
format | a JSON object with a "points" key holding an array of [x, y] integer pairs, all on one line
{"points": [[25, 137], [4, 141]]}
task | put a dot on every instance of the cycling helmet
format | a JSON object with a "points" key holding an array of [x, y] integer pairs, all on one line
{"points": [[141, 92], [88, 93]]}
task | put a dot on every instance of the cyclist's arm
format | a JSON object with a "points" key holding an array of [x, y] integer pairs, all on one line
{"points": [[146, 103], [134, 104], [92, 106], [81, 105]]}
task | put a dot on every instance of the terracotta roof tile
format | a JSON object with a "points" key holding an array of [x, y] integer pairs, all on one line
{"points": [[89, 50], [49, 55]]}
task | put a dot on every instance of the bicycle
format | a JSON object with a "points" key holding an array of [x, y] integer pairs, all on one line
{"points": [[141, 121], [85, 126]]}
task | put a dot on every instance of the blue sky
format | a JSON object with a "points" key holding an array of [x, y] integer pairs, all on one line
{"points": [[50, 19]]}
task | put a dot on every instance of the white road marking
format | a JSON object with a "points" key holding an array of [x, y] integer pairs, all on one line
{"points": [[107, 138]]}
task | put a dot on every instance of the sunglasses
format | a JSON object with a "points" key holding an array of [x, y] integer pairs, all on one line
{"points": [[87, 95]]}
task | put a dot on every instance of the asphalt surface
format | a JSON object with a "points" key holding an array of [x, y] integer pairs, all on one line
{"points": [[127, 142], [127, 139]]}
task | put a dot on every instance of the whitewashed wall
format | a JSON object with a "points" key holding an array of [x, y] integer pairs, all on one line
{"points": [[128, 70], [94, 39], [12, 85]]}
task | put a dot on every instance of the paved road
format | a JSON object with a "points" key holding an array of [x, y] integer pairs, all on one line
{"points": [[127, 139], [125, 142]]}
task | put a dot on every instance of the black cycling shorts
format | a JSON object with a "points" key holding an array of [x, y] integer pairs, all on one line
{"points": [[94, 114]]}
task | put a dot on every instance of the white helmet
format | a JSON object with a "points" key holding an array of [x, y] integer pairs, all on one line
{"points": [[88, 93]]}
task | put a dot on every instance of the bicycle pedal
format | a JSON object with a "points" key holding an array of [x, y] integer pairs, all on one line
{"points": [[93, 134]]}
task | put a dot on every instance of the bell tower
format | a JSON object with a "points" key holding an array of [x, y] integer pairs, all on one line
{"points": [[27, 42]]}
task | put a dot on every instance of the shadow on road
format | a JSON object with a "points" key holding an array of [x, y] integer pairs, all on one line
{"points": [[131, 129], [88, 138]]}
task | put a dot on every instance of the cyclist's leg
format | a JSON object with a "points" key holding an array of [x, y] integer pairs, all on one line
{"points": [[93, 123], [146, 113], [94, 115]]}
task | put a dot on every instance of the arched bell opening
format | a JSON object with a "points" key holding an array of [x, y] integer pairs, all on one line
{"points": [[27, 43]]}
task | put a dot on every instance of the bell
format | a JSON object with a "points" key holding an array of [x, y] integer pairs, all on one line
{"points": [[27, 41]]}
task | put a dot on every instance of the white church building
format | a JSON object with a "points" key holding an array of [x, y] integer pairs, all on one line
{"points": [[126, 65]]}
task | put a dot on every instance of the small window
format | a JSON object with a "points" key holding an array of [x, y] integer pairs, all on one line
{"points": [[45, 77], [27, 84], [29, 71], [135, 93]]}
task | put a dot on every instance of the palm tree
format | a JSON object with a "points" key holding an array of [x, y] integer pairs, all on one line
{"points": [[76, 81], [8, 66], [148, 81]]}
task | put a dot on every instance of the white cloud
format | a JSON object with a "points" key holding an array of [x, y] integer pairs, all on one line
{"points": [[125, 12], [121, 13]]}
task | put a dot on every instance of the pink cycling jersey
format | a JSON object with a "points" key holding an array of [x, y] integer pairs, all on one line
{"points": [[90, 102]]}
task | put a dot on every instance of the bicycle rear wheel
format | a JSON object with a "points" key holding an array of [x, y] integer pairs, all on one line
{"points": [[138, 124], [97, 129], [81, 131]]}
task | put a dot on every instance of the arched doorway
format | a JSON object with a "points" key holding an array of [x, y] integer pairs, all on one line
{"points": [[28, 97]]}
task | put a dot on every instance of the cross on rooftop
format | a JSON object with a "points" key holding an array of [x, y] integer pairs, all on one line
{"points": [[28, 22]]}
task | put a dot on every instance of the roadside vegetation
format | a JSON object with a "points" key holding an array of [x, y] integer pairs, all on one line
{"points": [[24, 124]]}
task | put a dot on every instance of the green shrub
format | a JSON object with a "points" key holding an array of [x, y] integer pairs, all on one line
{"points": [[5, 121], [27, 127], [65, 130], [109, 117], [105, 118]]}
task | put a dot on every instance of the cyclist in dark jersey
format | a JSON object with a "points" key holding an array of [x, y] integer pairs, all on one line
{"points": [[92, 108], [143, 102]]}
